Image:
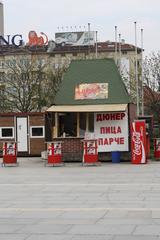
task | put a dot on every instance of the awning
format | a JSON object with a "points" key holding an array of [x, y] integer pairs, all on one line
{"points": [[89, 108]]}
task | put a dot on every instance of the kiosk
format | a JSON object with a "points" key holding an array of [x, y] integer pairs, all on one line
{"points": [[96, 101]]}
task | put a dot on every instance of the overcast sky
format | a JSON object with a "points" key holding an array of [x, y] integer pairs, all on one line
{"points": [[21, 16]]}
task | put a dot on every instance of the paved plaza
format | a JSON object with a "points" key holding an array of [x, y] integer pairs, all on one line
{"points": [[108, 202]]}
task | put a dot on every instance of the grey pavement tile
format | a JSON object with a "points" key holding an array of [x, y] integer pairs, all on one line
{"points": [[72, 221], [39, 214], [153, 230], [7, 213], [138, 237], [49, 237], [17, 221], [141, 214], [102, 229], [4, 229], [116, 213], [156, 213], [13, 236], [92, 237], [126, 221], [156, 220], [83, 214], [45, 229]]}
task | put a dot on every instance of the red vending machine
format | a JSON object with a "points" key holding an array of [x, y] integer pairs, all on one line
{"points": [[90, 151], [138, 142], [10, 153], [157, 148], [54, 153]]}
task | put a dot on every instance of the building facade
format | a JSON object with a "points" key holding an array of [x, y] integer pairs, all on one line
{"points": [[57, 56]]}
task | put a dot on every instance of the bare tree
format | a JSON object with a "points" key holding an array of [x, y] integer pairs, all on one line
{"points": [[30, 85], [152, 84], [152, 71]]}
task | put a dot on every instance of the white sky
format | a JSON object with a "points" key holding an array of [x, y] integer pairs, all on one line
{"points": [[21, 16]]}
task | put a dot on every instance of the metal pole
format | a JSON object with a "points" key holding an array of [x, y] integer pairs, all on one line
{"points": [[142, 92], [89, 25], [136, 70], [96, 46], [120, 53], [116, 45]]}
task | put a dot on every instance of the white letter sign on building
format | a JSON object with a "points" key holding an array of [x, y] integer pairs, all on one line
{"points": [[111, 131]]}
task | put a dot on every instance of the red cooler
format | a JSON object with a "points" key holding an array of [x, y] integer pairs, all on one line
{"points": [[10, 153], [90, 151], [55, 153], [138, 142]]}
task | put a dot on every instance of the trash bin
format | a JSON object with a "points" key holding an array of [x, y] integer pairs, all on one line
{"points": [[116, 157]]}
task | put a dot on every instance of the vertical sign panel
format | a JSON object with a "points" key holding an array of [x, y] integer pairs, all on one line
{"points": [[111, 131]]}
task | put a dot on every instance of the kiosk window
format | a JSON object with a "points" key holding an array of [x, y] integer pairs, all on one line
{"points": [[7, 132], [67, 125], [37, 132]]}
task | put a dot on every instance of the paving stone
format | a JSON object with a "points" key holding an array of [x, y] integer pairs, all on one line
{"points": [[138, 237], [126, 221], [92, 237], [90, 214], [13, 236], [44, 229], [153, 230], [102, 229], [49, 237]]}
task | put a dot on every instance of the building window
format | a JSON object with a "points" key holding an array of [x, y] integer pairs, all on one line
{"points": [[37, 132], [7, 132]]}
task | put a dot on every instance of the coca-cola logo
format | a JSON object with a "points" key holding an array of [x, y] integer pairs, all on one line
{"points": [[136, 143]]}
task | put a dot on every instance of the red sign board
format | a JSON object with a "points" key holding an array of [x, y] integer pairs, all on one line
{"points": [[138, 142]]}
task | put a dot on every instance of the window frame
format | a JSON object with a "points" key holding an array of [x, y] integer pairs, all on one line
{"points": [[31, 127], [10, 137]]}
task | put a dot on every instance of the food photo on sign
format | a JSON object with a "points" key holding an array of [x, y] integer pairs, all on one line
{"points": [[91, 91]]}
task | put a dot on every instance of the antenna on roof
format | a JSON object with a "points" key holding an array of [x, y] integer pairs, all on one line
{"points": [[120, 53], [116, 45]]}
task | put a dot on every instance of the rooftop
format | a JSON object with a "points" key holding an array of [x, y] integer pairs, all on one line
{"points": [[102, 47], [88, 72]]}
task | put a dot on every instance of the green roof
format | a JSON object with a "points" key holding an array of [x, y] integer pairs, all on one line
{"points": [[92, 71]]}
